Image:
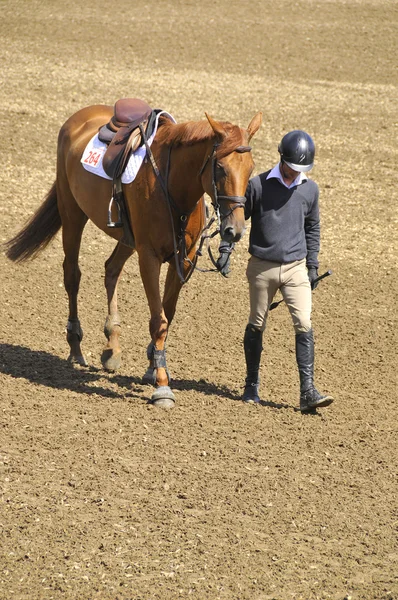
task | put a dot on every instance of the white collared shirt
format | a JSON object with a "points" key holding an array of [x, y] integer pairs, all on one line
{"points": [[275, 172]]}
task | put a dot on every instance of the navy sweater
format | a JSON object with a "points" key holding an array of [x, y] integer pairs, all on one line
{"points": [[284, 222]]}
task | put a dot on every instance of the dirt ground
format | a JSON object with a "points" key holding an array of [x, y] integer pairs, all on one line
{"points": [[105, 497]]}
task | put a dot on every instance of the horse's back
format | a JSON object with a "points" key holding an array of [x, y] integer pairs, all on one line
{"points": [[83, 124]]}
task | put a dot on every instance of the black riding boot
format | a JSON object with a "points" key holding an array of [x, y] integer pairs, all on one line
{"points": [[253, 346], [310, 398]]}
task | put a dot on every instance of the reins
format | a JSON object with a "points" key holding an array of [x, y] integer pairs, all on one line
{"points": [[179, 252], [180, 248]]}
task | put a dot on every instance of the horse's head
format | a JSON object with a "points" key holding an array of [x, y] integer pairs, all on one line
{"points": [[225, 174]]}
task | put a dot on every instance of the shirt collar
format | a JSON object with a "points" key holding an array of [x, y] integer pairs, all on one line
{"points": [[275, 173]]}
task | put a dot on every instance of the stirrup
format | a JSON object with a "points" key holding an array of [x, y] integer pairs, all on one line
{"points": [[118, 223]]}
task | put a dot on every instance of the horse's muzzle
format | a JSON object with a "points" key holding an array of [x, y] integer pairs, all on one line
{"points": [[230, 233], [232, 218]]}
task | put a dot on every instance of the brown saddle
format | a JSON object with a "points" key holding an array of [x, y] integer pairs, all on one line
{"points": [[123, 135]]}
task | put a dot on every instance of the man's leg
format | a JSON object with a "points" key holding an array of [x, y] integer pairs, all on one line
{"points": [[253, 346], [296, 291], [310, 398], [263, 278]]}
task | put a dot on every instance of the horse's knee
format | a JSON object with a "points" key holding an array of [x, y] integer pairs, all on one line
{"points": [[158, 327]]}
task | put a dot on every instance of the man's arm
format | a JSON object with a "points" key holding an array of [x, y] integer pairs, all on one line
{"points": [[312, 227]]}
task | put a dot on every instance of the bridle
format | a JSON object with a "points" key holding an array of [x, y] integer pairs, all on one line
{"points": [[180, 253], [238, 201]]}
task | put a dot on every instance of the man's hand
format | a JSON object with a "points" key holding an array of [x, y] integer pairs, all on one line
{"points": [[224, 259], [312, 275]]}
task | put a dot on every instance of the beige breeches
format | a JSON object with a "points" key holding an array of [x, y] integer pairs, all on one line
{"points": [[266, 278]]}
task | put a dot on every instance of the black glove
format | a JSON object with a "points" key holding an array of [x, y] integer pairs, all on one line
{"points": [[224, 259], [312, 275]]}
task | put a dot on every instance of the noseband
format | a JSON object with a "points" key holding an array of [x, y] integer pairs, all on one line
{"points": [[238, 201]]}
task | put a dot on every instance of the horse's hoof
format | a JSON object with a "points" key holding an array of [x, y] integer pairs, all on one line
{"points": [[163, 403], [78, 360], [163, 397], [111, 361], [150, 377]]}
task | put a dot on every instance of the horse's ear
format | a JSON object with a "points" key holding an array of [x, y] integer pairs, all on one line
{"points": [[254, 124], [217, 128]]}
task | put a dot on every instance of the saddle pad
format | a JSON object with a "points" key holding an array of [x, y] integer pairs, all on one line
{"points": [[92, 156]]}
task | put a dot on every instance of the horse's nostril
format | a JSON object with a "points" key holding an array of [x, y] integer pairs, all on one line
{"points": [[229, 233]]}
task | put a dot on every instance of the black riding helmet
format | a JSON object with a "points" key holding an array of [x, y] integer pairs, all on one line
{"points": [[297, 150]]}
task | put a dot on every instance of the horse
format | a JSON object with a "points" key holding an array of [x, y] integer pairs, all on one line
{"points": [[165, 207]]}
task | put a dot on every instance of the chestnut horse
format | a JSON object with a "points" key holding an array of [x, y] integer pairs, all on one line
{"points": [[164, 203]]}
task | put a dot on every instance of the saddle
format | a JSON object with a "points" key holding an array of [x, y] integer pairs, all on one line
{"points": [[131, 121], [123, 134]]}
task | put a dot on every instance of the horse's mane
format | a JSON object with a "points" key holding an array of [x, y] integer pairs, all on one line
{"points": [[192, 132]]}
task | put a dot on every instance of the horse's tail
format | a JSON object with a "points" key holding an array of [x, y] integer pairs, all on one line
{"points": [[38, 231]]}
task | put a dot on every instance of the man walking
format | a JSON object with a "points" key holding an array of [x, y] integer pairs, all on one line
{"points": [[284, 245]]}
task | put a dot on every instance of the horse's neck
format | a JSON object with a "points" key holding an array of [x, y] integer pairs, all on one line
{"points": [[185, 183]]}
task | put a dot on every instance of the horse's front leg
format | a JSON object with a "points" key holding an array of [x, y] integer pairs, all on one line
{"points": [[111, 356], [172, 290], [158, 327]]}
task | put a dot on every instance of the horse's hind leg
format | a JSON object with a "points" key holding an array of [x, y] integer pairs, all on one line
{"points": [[73, 222], [111, 356]]}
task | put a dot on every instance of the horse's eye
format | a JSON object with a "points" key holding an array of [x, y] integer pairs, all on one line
{"points": [[220, 172]]}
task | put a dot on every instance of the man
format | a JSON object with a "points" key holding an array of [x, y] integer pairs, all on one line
{"points": [[284, 245]]}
